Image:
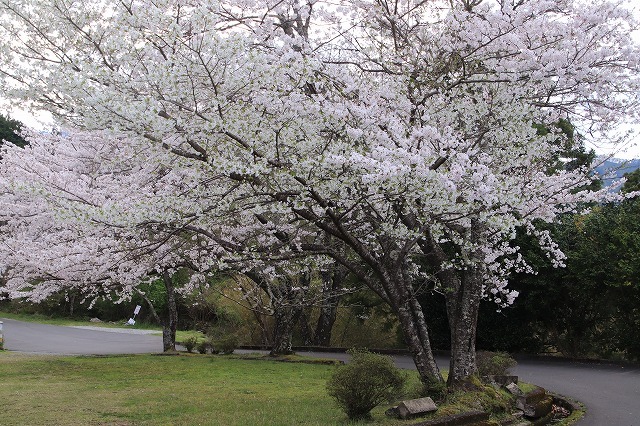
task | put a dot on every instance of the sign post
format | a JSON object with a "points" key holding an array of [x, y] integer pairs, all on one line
{"points": [[1, 338], [136, 311]]}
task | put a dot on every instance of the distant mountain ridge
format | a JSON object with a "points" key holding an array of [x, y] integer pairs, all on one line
{"points": [[612, 169]]}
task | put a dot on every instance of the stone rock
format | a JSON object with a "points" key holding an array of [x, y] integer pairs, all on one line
{"points": [[566, 403], [95, 320], [535, 395], [521, 403], [513, 389], [416, 407], [535, 403], [501, 379], [540, 408], [537, 408], [517, 415]]}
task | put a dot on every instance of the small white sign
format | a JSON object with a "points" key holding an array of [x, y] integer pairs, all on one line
{"points": [[136, 311], [131, 321]]}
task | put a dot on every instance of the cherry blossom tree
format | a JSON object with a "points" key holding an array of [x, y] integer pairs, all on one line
{"points": [[67, 223], [288, 297], [85, 211], [404, 130]]}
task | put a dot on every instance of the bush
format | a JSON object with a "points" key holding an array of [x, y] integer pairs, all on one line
{"points": [[226, 345], [204, 347], [190, 343], [366, 382], [494, 363]]}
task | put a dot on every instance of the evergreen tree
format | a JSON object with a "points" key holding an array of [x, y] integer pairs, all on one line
{"points": [[10, 131]]}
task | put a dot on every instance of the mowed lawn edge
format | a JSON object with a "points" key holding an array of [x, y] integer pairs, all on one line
{"points": [[166, 390]]}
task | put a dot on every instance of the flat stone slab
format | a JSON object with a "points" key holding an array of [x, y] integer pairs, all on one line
{"points": [[514, 390], [416, 407]]}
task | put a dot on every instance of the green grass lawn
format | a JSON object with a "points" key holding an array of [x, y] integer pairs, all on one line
{"points": [[165, 390]]}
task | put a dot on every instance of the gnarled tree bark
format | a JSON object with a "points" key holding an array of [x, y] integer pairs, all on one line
{"points": [[170, 323], [332, 282]]}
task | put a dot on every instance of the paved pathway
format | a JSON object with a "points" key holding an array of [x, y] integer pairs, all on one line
{"points": [[610, 392], [54, 339]]}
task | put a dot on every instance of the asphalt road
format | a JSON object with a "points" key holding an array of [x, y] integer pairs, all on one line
{"points": [[53, 339], [610, 392]]}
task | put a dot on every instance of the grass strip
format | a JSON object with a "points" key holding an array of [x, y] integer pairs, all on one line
{"points": [[160, 390]]}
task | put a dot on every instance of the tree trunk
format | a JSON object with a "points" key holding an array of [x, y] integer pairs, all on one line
{"points": [[264, 330], [286, 298], [331, 283], [285, 317], [72, 302], [169, 324], [328, 314], [401, 297], [152, 309], [462, 310], [305, 329], [287, 308], [416, 334], [463, 293]]}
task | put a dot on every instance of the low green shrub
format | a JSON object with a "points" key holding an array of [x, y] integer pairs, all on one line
{"points": [[226, 345], [494, 363], [365, 382], [190, 343], [204, 347]]}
